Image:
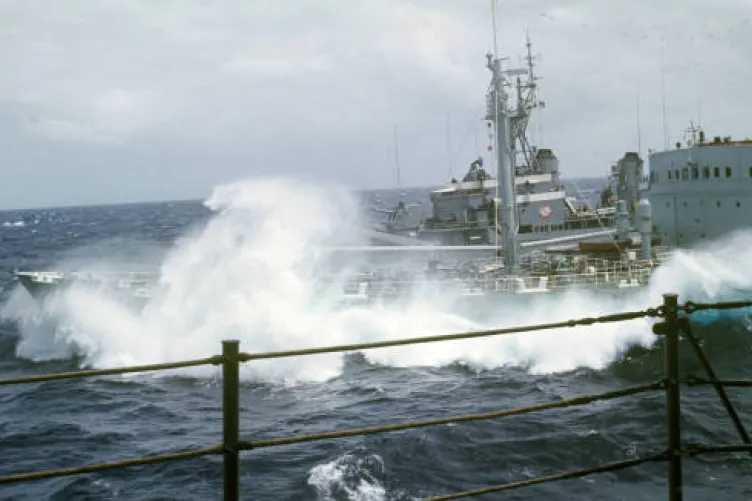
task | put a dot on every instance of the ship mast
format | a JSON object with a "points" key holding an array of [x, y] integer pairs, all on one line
{"points": [[693, 136], [496, 112], [527, 100]]}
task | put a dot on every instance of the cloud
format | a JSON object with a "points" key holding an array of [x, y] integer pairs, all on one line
{"points": [[317, 85]]}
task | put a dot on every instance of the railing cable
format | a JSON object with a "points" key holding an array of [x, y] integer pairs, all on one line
{"points": [[690, 306], [176, 456], [273, 442], [691, 380], [695, 449], [619, 465], [216, 360], [614, 317]]}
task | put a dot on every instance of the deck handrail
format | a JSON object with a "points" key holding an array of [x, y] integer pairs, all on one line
{"points": [[675, 324]]}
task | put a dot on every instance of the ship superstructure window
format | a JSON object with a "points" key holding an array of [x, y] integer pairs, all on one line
{"points": [[716, 171], [695, 172], [706, 172], [676, 174], [671, 177], [685, 174], [728, 171], [750, 172]]}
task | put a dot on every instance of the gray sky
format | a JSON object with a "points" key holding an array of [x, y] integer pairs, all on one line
{"points": [[131, 100]]}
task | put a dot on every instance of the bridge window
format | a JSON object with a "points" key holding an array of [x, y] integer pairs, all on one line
{"points": [[728, 171], [718, 203], [706, 172], [738, 204], [670, 177], [750, 172], [716, 171], [676, 174], [685, 174], [695, 172]]}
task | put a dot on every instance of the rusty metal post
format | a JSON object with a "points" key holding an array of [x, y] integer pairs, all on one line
{"points": [[673, 406], [231, 418]]}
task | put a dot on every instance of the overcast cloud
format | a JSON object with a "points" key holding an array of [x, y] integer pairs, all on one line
{"points": [[104, 101]]}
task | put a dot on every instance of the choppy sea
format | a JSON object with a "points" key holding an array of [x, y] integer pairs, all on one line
{"points": [[240, 265]]}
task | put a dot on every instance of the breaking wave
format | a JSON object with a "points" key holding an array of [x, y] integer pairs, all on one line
{"points": [[253, 273]]}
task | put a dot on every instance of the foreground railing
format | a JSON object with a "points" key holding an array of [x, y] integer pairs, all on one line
{"points": [[675, 324]]}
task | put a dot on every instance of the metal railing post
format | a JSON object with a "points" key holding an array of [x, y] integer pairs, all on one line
{"points": [[673, 406], [231, 418]]}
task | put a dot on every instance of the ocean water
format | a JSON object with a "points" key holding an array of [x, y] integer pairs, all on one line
{"points": [[243, 265]]}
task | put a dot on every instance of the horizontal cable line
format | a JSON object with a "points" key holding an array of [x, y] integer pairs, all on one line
{"points": [[620, 465], [177, 456], [215, 360], [691, 306], [615, 317], [697, 381], [273, 442], [694, 449]]}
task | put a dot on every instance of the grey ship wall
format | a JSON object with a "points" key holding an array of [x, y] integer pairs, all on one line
{"points": [[704, 200]]}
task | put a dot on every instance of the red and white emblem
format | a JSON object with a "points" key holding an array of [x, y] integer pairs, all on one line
{"points": [[545, 211]]}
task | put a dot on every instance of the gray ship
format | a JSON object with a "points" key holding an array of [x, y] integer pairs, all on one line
{"points": [[699, 191], [464, 211]]}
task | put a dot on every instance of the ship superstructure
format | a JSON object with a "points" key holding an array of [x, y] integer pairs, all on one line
{"points": [[700, 190], [463, 211]]}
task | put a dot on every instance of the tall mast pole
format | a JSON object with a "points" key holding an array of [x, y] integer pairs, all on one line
{"points": [[497, 112]]}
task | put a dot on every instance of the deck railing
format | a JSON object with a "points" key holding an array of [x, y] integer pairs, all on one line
{"points": [[674, 324]]}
